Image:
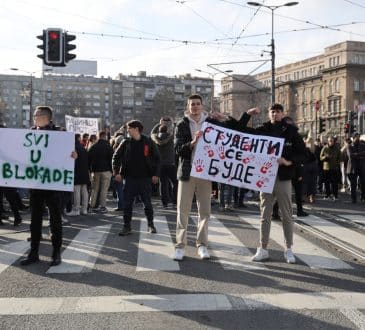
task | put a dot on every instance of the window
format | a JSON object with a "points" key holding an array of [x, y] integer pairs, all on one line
{"points": [[356, 85], [330, 87], [337, 85]]}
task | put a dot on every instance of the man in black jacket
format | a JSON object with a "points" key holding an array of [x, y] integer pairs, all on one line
{"points": [[38, 198], [293, 153], [136, 160], [100, 164]]}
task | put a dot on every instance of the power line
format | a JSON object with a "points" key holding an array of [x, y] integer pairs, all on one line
{"points": [[354, 3]]}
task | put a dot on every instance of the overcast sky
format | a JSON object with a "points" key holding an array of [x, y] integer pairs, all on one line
{"points": [[171, 37]]}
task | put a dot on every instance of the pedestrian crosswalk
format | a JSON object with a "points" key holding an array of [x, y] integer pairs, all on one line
{"points": [[155, 251]]}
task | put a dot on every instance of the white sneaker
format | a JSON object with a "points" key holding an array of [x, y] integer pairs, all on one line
{"points": [[73, 213], [179, 254], [203, 252], [289, 256], [261, 255]]}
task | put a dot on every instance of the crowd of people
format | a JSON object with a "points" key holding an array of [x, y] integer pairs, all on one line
{"points": [[132, 163]]}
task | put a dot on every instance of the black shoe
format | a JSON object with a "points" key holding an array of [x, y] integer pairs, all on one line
{"points": [[152, 229], [302, 214], [118, 209], [125, 231], [31, 259], [4, 217], [1, 223], [56, 258], [17, 221]]}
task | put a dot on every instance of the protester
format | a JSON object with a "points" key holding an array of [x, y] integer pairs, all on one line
{"points": [[100, 164], [38, 198], [187, 133], [163, 136], [81, 180], [356, 166], [331, 157], [137, 161], [292, 155]]}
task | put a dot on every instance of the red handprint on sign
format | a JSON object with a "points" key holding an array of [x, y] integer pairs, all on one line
{"points": [[208, 129], [260, 183], [265, 168], [199, 167], [247, 159], [209, 151], [221, 152], [246, 147], [221, 136]]}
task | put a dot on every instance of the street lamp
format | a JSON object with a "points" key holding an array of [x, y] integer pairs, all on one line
{"points": [[272, 8], [31, 75]]}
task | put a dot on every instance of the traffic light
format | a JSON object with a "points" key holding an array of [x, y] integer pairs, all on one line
{"points": [[322, 125], [346, 128], [54, 47], [43, 46], [68, 47]]}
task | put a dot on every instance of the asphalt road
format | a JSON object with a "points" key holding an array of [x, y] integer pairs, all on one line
{"points": [[112, 282]]}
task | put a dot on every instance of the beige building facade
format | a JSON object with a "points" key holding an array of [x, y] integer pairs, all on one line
{"points": [[327, 87]]}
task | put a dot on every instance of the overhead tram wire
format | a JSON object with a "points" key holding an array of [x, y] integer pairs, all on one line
{"points": [[354, 3]]}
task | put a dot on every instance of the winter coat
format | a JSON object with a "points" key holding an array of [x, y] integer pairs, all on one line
{"points": [[331, 157], [81, 165], [100, 156]]}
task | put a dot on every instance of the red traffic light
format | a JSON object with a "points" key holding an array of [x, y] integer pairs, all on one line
{"points": [[53, 35]]}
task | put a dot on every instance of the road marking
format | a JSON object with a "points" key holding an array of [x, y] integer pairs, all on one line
{"points": [[314, 256], [9, 253], [181, 302], [230, 251], [355, 316], [155, 251], [81, 254]]}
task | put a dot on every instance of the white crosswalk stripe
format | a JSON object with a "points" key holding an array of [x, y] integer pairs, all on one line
{"points": [[11, 252], [353, 217], [231, 253], [155, 251], [82, 253], [314, 256]]}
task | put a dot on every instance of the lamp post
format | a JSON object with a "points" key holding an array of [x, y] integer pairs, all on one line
{"points": [[31, 75], [272, 8]]}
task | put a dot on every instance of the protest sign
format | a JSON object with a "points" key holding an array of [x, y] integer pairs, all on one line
{"points": [[36, 159], [238, 159], [81, 125]]}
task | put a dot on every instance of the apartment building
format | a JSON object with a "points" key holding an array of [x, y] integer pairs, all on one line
{"points": [[113, 101]]}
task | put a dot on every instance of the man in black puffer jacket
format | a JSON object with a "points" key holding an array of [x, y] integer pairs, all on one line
{"points": [[136, 160], [292, 156]]}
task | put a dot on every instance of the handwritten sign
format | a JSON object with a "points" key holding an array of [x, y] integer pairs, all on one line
{"points": [[81, 125], [36, 159], [238, 159]]}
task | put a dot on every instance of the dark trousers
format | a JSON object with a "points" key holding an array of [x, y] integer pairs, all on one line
{"points": [[353, 181], [298, 190], [38, 199], [331, 179], [11, 196], [134, 187], [168, 184], [239, 195]]}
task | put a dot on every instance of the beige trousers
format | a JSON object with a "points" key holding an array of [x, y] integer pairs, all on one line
{"points": [[185, 194], [281, 193]]}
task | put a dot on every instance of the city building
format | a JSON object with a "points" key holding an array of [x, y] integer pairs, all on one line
{"points": [[322, 88], [113, 101]]}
